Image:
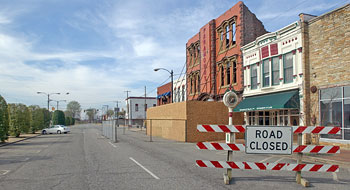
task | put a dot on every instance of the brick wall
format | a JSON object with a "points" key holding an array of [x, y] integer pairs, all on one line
{"points": [[163, 89], [175, 118], [329, 53]]}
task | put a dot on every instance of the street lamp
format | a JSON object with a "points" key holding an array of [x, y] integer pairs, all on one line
{"points": [[57, 101], [172, 78], [48, 97]]}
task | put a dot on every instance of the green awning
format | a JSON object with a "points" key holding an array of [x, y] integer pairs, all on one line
{"points": [[281, 100]]}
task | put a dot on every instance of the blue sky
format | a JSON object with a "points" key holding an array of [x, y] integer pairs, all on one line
{"points": [[97, 49]]}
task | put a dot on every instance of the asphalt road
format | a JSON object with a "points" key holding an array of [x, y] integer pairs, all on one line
{"points": [[84, 159]]}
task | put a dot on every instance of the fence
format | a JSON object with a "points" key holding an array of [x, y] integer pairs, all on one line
{"points": [[109, 129], [174, 129]]}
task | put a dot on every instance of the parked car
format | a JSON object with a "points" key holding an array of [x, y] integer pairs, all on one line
{"points": [[55, 129]]}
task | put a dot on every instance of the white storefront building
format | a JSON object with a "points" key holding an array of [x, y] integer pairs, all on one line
{"points": [[273, 78]]}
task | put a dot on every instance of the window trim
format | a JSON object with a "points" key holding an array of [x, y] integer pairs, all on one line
{"points": [[284, 68], [279, 71], [263, 72]]}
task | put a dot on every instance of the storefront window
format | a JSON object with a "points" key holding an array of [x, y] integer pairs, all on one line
{"points": [[335, 111]]}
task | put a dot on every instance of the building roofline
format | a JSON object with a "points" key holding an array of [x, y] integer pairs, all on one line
{"points": [[140, 97], [328, 13]]}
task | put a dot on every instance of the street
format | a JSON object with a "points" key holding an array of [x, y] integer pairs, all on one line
{"points": [[84, 159]]}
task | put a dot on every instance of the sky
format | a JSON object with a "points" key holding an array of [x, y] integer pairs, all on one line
{"points": [[98, 49]]}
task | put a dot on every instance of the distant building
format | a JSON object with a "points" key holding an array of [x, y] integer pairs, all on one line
{"points": [[179, 89], [213, 55], [137, 108], [164, 94]]}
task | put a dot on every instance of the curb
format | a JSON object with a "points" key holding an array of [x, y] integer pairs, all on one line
{"points": [[5, 144]]}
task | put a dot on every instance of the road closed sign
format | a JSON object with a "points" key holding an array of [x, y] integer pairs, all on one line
{"points": [[268, 140]]}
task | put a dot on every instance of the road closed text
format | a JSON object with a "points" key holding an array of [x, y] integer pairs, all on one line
{"points": [[268, 140]]}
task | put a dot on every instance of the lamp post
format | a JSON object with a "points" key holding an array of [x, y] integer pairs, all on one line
{"points": [[48, 97], [172, 76], [57, 101]]}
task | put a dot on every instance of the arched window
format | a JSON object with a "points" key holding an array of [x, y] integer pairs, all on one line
{"points": [[228, 74], [233, 33], [199, 83], [234, 65], [194, 84], [222, 75], [227, 36]]}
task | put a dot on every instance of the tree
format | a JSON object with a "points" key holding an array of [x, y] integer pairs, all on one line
{"points": [[4, 119], [74, 109], [38, 118], [91, 114], [58, 118], [19, 119], [68, 121], [47, 117], [110, 113]]}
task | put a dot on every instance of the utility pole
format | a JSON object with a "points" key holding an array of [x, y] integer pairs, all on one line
{"points": [[127, 109], [116, 121], [144, 121]]}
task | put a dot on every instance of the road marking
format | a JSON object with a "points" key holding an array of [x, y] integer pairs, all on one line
{"points": [[277, 161], [112, 144], [4, 172], [38, 151], [152, 174], [268, 158]]}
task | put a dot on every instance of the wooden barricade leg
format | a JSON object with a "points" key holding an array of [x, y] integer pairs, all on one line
{"points": [[299, 179]]}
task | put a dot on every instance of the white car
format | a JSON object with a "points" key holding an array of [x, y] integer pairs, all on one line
{"points": [[56, 129]]}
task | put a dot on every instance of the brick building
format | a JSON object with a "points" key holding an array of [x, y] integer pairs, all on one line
{"points": [[164, 94], [327, 76], [213, 56]]}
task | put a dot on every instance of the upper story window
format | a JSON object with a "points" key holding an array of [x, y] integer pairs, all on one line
{"points": [[194, 84], [183, 93], [254, 76], [227, 36], [288, 67], [233, 33], [136, 107], [275, 71], [222, 75], [234, 65], [198, 83], [266, 73], [191, 84], [228, 73]]}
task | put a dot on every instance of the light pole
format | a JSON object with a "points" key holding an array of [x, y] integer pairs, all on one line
{"points": [[172, 76], [48, 97], [57, 101]]}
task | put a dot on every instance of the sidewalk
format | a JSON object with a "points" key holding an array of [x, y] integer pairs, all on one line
{"points": [[22, 137]]}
